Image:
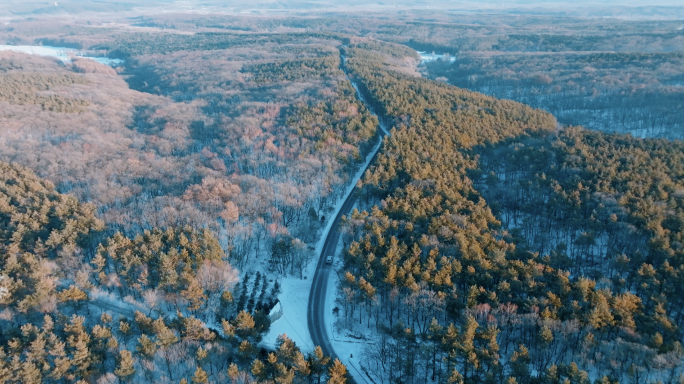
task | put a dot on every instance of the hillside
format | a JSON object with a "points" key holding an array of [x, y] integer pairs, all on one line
{"points": [[495, 248], [179, 188], [125, 309]]}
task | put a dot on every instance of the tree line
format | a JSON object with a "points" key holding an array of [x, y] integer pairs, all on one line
{"points": [[621, 92], [132, 45]]}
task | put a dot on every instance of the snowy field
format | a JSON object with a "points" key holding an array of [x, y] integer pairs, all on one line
{"points": [[61, 53], [428, 57]]}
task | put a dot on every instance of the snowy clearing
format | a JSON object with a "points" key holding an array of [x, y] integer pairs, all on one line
{"points": [[61, 53]]}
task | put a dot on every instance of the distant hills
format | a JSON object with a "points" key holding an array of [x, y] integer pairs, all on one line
{"points": [[662, 9]]}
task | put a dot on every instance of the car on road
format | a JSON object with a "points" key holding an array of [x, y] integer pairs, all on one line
{"points": [[329, 260]]}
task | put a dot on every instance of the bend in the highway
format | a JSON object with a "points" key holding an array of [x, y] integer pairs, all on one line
{"points": [[317, 296]]}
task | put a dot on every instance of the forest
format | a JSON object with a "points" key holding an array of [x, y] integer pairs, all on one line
{"points": [[196, 167], [637, 93], [572, 271], [521, 222], [62, 319], [607, 74]]}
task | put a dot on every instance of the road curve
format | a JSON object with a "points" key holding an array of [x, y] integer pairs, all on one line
{"points": [[316, 307]]}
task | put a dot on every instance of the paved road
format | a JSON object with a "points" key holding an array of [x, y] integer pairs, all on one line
{"points": [[319, 287], [316, 309]]}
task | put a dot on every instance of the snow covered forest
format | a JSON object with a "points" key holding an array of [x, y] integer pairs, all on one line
{"points": [[208, 176], [494, 247], [156, 205]]}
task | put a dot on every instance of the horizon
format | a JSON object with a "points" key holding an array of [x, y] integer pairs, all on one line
{"points": [[660, 9]]}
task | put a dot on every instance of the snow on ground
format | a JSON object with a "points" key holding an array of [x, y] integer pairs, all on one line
{"points": [[348, 349], [294, 299], [60, 53], [428, 57], [64, 54], [295, 292], [105, 60], [109, 302]]}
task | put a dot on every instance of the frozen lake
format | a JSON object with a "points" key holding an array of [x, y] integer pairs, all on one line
{"points": [[426, 57], [64, 54]]}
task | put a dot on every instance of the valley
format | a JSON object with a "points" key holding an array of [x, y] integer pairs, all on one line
{"points": [[308, 193]]}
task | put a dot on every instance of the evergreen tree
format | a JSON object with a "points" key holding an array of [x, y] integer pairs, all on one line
{"points": [[200, 376], [125, 365], [337, 374]]}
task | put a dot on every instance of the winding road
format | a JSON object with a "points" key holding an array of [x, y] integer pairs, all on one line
{"points": [[316, 307], [319, 286]]}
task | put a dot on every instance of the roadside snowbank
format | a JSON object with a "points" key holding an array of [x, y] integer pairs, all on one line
{"points": [[348, 349]]}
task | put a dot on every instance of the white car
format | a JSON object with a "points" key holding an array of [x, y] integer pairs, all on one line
{"points": [[329, 260]]}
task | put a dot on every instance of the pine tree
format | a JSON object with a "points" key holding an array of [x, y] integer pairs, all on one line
{"points": [[246, 349], [233, 372], [228, 329], [455, 377], [61, 367], [259, 369], [165, 336], [74, 294], [106, 318], [125, 365], [200, 376], [467, 346], [194, 329], [146, 346], [285, 375], [193, 293], [125, 329], [30, 374], [318, 363], [519, 362], [337, 373], [81, 357], [244, 324], [201, 353], [5, 370]]}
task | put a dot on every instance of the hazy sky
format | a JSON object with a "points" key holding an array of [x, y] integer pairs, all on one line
{"points": [[342, 3], [30, 7]]}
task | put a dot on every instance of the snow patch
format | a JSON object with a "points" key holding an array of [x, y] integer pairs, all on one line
{"points": [[276, 313], [61, 53], [429, 57], [294, 299], [348, 349]]}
